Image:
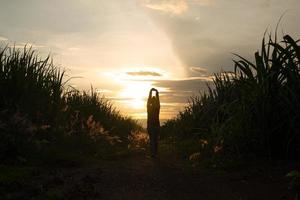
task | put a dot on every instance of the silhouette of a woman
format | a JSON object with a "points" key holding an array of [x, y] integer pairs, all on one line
{"points": [[153, 125]]}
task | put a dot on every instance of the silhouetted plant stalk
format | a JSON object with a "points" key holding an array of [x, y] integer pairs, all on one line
{"points": [[35, 89], [251, 112], [30, 84]]}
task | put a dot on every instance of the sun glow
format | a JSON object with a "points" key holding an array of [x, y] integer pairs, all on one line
{"points": [[135, 93], [134, 86]]}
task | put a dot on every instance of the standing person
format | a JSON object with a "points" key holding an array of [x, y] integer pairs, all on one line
{"points": [[153, 126]]}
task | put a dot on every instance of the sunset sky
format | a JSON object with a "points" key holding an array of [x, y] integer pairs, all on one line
{"points": [[125, 47]]}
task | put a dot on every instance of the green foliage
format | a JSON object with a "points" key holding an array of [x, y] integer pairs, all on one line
{"points": [[38, 112], [251, 112]]}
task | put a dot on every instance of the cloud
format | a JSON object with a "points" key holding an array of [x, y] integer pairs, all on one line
{"points": [[73, 48], [199, 70], [206, 35], [202, 2], [175, 94], [22, 45], [193, 84], [179, 91], [169, 6], [119, 99], [143, 73], [103, 91], [176, 7], [3, 38]]}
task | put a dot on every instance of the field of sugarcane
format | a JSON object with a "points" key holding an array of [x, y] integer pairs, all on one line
{"points": [[40, 115], [252, 112], [60, 143]]}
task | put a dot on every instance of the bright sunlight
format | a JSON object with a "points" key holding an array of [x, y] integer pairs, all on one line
{"points": [[135, 92]]}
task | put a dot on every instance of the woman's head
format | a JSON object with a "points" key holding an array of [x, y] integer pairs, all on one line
{"points": [[153, 100], [153, 93]]}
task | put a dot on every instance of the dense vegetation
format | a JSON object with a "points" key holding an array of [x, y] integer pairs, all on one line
{"points": [[48, 130], [250, 113], [39, 113]]}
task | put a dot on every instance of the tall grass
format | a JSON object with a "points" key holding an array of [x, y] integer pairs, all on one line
{"points": [[29, 84], [38, 109], [89, 106], [251, 112]]}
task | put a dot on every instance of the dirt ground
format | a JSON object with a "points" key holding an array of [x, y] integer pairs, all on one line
{"points": [[140, 177]]}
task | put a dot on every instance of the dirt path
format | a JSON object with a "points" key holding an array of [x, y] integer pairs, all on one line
{"points": [[144, 178], [140, 177]]}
